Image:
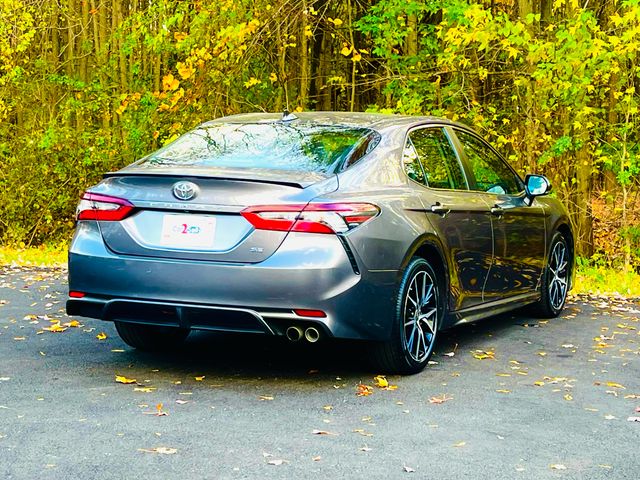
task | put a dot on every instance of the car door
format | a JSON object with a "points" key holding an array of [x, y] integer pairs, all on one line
{"points": [[518, 227], [460, 217]]}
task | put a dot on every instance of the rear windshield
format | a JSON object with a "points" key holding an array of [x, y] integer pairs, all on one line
{"points": [[301, 147]]}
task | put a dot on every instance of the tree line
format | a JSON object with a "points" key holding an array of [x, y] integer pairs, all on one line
{"points": [[87, 86]]}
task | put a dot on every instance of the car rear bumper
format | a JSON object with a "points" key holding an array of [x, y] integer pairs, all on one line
{"points": [[309, 271]]}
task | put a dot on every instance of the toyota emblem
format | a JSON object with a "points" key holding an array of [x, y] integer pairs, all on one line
{"points": [[185, 190]]}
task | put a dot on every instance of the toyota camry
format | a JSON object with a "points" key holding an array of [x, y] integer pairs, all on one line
{"points": [[380, 228]]}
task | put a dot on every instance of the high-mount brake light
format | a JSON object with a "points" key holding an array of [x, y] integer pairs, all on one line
{"points": [[311, 218], [94, 206]]}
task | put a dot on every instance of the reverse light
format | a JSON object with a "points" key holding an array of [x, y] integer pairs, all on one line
{"points": [[94, 206], [311, 218]]}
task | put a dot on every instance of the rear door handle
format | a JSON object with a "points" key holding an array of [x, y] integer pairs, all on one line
{"points": [[496, 210], [440, 209]]}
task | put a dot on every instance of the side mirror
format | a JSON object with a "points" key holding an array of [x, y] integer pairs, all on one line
{"points": [[536, 185]]}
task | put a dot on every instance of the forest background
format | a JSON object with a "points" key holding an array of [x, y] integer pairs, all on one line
{"points": [[87, 86]]}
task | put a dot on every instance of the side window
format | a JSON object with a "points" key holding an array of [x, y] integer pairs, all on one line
{"points": [[412, 163], [491, 173], [363, 147], [438, 159]]}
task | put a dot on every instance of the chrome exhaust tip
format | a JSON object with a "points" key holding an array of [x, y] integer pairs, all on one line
{"points": [[294, 333], [312, 335]]}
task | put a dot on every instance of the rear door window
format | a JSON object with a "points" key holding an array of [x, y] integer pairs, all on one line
{"points": [[491, 173], [429, 151]]}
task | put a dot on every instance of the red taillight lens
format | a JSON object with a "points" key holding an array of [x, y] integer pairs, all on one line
{"points": [[75, 294], [94, 206], [313, 218], [302, 312]]}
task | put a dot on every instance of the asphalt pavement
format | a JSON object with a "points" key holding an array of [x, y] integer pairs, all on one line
{"points": [[513, 397]]}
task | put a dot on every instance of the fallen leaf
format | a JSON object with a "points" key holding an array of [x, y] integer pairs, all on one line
{"points": [[265, 397], [182, 402], [73, 324], [125, 380], [363, 390], [199, 379], [441, 399], [161, 450], [159, 411], [380, 381], [502, 390], [460, 444], [328, 407], [542, 354], [101, 336], [408, 469], [616, 385], [539, 383], [568, 397], [276, 461], [633, 419], [365, 449], [317, 458], [144, 389], [484, 355], [557, 466], [55, 328], [322, 432]]}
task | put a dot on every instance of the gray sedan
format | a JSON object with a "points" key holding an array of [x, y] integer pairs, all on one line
{"points": [[372, 227]]}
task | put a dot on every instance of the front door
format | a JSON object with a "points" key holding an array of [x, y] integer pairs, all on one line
{"points": [[518, 228]]}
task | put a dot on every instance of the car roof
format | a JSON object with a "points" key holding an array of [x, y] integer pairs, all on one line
{"points": [[374, 121]]}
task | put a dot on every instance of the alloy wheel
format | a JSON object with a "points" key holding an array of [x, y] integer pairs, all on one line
{"points": [[558, 270], [420, 322]]}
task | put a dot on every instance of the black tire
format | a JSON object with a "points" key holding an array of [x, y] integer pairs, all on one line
{"points": [[555, 279], [151, 337], [397, 355]]}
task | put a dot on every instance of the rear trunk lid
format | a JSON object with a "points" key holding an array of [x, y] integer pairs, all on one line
{"points": [[208, 226]]}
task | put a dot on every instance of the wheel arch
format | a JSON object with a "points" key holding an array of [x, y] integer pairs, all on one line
{"points": [[430, 248], [565, 230]]}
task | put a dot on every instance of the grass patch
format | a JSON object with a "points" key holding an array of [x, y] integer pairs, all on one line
{"points": [[603, 280], [42, 256]]}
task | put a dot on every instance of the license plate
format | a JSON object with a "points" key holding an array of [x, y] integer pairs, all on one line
{"points": [[188, 231]]}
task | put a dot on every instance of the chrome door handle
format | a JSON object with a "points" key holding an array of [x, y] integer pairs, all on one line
{"points": [[440, 209]]}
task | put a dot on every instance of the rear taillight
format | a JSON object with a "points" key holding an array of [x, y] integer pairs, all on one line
{"points": [[94, 206], [312, 218]]}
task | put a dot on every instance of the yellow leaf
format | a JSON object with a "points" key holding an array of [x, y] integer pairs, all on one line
{"points": [[170, 83], [184, 70], [55, 328], [616, 385], [125, 380], [251, 82], [568, 397], [101, 336], [179, 36], [503, 391], [482, 355], [73, 324], [539, 383], [144, 389], [199, 379], [337, 22], [381, 381], [346, 50], [356, 57], [460, 444], [273, 77]]}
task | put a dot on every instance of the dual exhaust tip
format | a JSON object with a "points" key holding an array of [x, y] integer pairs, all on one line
{"points": [[310, 334]]}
